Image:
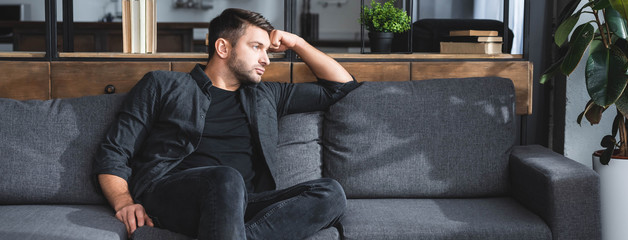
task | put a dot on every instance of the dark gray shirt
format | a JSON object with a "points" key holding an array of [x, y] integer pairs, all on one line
{"points": [[162, 119]]}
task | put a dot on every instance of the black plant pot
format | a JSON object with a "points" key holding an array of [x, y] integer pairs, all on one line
{"points": [[380, 41]]}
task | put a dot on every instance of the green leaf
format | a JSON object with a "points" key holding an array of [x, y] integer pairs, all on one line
{"points": [[586, 109], [594, 115], [580, 40], [606, 155], [622, 103], [600, 4], [551, 71], [605, 74], [565, 28], [616, 23], [621, 6]]}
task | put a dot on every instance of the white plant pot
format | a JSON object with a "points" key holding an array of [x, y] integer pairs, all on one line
{"points": [[613, 197]]}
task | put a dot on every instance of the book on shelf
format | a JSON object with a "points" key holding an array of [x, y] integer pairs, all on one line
{"points": [[470, 48], [151, 26], [480, 33], [139, 26], [126, 26], [471, 39]]}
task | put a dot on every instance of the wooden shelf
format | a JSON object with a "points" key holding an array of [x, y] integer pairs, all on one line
{"points": [[23, 54], [413, 56], [402, 57], [147, 56]]}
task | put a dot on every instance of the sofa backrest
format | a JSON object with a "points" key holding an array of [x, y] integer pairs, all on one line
{"points": [[47, 148], [299, 150], [429, 138]]}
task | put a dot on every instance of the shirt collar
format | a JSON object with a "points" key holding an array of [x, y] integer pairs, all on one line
{"points": [[202, 80]]}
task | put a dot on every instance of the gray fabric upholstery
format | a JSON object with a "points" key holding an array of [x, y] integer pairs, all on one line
{"points": [[563, 192], [153, 233], [430, 138], [326, 234], [59, 222], [47, 148], [400, 219], [299, 149], [150, 233]]}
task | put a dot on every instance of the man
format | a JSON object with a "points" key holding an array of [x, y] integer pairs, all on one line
{"points": [[194, 153]]}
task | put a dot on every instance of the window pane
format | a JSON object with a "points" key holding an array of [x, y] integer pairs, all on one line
{"points": [[330, 25], [181, 24], [478, 10], [22, 27]]}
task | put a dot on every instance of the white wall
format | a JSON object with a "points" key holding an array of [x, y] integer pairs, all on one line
{"points": [[582, 141]]}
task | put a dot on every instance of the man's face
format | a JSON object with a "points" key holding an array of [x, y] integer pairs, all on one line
{"points": [[248, 58]]}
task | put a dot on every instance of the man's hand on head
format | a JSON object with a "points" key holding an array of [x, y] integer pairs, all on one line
{"points": [[133, 216], [281, 41]]}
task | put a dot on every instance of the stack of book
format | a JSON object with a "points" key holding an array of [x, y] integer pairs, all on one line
{"points": [[472, 41], [139, 26]]}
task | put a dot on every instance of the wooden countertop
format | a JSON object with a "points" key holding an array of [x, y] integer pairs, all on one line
{"points": [[349, 56]]}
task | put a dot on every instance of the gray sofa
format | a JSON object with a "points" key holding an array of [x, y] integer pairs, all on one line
{"points": [[432, 159]]}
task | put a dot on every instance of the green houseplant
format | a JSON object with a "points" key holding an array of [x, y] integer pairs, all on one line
{"points": [[606, 65], [382, 21], [606, 79]]}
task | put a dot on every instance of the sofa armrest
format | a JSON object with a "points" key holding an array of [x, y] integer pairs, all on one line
{"points": [[561, 191]]}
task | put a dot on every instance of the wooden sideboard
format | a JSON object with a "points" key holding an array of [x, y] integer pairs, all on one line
{"points": [[64, 79]]}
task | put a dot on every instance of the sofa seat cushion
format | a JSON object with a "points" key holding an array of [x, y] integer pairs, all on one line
{"points": [[481, 218], [57, 222], [150, 233]]}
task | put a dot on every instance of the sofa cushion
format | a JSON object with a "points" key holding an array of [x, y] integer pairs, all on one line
{"points": [[430, 138], [490, 218], [299, 149], [59, 222], [151, 233], [47, 148]]}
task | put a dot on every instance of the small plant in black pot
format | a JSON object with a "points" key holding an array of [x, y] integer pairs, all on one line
{"points": [[382, 21]]}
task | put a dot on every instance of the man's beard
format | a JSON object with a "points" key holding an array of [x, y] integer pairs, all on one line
{"points": [[239, 70]]}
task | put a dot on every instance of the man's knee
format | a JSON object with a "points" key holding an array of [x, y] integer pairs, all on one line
{"points": [[332, 195], [224, 180]]}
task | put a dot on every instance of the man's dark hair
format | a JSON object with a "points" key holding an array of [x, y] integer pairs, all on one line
{"points": [[230, 25]]}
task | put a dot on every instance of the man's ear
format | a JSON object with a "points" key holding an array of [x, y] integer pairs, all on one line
{"points": [[223, 48]]}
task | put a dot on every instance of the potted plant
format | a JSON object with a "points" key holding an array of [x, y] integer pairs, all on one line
{"points": [[382, 21], [606, 79]]}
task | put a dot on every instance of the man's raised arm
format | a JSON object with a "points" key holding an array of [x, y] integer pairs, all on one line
{"points": [[320, 63]]}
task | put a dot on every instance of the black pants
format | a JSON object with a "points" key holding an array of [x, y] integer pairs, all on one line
{"points": [[212, 203]]}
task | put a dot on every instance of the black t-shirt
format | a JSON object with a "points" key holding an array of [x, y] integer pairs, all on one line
{"points": [[226, 139]]}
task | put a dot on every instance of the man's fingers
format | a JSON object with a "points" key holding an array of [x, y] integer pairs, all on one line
{"points": [[149, 221], [131, 221], [275, 39], [140, 218], [122, 217]]}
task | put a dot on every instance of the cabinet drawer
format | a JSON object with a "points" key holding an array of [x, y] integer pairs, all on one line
{"points": [[77, 79], [24, 80], [275, 72]]}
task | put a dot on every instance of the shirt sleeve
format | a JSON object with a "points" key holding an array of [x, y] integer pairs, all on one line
{"points": [[128, 131], [309, 97]]}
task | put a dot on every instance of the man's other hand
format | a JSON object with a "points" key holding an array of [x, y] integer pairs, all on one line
{"points": [[133, 216]]}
